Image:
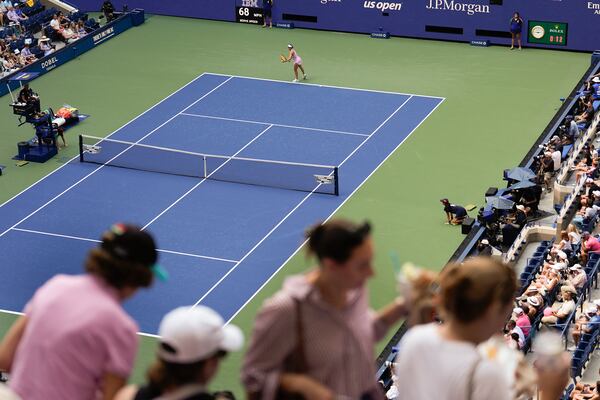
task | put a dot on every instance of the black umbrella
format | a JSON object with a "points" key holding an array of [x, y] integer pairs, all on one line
{"points": [[520, 174], [522, 185], [499, 203]]}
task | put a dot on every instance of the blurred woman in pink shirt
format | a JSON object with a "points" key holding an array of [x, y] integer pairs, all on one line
{"points": [[74, 340]]}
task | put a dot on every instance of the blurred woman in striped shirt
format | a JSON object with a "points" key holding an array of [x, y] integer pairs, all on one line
{"points": [[315, 338]]}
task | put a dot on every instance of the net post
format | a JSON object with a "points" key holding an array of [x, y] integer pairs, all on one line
{"points": [[336, 184], [80, 148], [205, 171]]}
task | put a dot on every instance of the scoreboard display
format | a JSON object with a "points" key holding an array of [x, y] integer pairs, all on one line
{"points": [[249, 15], [550, 33]]}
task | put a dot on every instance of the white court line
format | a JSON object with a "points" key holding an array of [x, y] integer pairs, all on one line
{"points": [[108, 136], [99, 241], [330, 215], [102, 166], [204, 179], [272, 124], [295, 208], [326, 86], [19, 313]]}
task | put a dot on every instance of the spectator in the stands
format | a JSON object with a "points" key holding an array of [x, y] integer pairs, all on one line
{"points": [[19, 57], [589, 392], [81, 29], [585, 391], [19, 11], [594, 323], [584, 215], [557, 260], [3, 11], [547, 281], [595, 199], [319, 309], [574, 234], [8, 64], [512, 328], [565, 243], [532, 292], [192, 343], [55, 22], [586, 116], [547, 170], [75, 340], [555, 145], [28, 55], [520, 215], [442, 361], [560, 310], [573, 129], [108, 10], [577, 277], [586, 323], [14, 16], [530, 200], [556, 155], [455, 214], [515, 342], [589, 188], [46, 46], [533, 306], [69, 33], [522, 320], [590, 244], [585, 167], [484, 248]]}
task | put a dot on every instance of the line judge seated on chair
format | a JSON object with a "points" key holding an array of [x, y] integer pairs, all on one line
{"points": [[29, 97]]}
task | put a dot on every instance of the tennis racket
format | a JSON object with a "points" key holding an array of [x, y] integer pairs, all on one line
{"points": [[282, 58]]}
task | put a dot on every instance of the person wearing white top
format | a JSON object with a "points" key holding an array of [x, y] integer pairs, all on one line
{"points": [[55, 23], [441, 361]]}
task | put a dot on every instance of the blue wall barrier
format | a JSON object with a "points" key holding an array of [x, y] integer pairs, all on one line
{"points": [[457, 20], [75, 49]]}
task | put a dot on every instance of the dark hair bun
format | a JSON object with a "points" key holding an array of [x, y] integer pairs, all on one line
{"points": [[336, 239]]}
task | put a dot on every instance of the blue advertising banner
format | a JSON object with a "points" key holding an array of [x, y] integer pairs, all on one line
{"points": [[69, 52], [458, 20], [223, 10]]}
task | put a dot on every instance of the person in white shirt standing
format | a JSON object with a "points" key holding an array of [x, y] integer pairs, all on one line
{"points": [[442, 362], [557, 159]]}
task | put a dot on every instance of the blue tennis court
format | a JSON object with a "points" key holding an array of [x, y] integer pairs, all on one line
{"points": [[219, 239]]}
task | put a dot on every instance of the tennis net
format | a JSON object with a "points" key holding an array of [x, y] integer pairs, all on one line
{"points": [[271, 173]]}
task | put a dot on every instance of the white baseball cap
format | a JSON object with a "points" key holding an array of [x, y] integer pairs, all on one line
{"points": [[191, 334]]}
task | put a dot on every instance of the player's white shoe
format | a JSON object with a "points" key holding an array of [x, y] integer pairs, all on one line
{"points": [[305, 77], [295, 80]]}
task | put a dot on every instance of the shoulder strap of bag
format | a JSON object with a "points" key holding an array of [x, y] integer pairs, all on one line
{"points": [[299, 356]]}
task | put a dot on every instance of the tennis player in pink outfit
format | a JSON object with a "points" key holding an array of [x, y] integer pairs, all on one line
{"points": [[293, 56]]}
